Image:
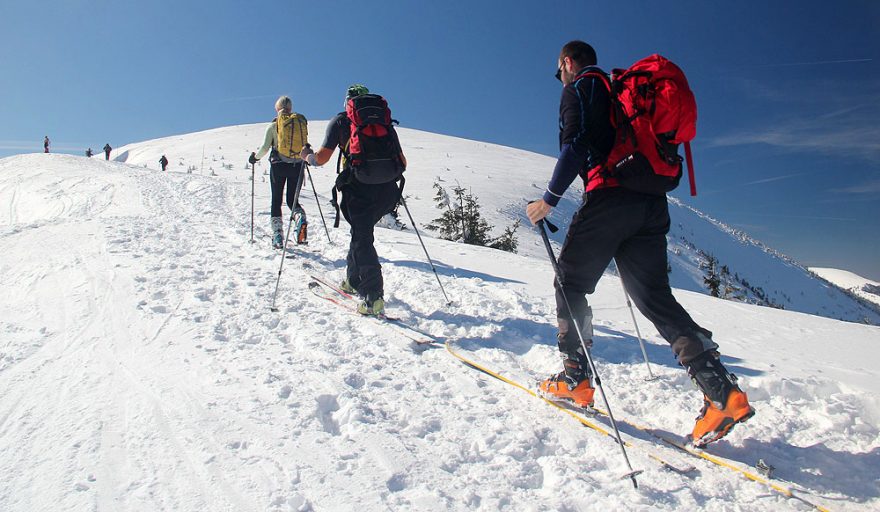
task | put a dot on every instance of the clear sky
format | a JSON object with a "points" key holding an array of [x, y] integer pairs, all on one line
{"points": [[788, 144]]}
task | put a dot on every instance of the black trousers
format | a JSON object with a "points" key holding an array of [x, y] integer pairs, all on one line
{"points": [[363, 206], [630, 227], [279, 174]]}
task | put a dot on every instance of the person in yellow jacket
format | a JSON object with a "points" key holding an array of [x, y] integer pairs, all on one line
{"points": [[286, 136]]}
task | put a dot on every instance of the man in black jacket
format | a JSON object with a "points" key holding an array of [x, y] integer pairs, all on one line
{"points": [[362, 205], [630, 227]]}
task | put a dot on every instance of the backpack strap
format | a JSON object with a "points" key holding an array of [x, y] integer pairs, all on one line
{"points": [[690, 161], [334, 193], [602, 173], [301, 121]]}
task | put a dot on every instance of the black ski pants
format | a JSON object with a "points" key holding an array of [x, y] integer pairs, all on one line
{"points": [[363, 206], [279, 174], [630, 227]]}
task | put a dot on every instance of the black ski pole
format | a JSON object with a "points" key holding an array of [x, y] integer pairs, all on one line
{"points": [[632, 473], [416, 229], [253, 166], [287, 237], [318, 202]]}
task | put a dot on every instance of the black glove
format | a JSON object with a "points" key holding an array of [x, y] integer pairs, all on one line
{"points": [[252, 159]]}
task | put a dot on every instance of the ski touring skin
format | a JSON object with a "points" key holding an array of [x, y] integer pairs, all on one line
{"points": [[661, 440], [322, 288]]}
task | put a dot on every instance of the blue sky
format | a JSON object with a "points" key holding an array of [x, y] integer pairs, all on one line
{"points": [[788, 144]]}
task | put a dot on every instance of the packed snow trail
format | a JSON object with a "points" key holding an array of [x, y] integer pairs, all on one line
{"points": [[141, 369]]}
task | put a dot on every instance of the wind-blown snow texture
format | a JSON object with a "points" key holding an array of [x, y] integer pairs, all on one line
{"points": [[141, 367]]}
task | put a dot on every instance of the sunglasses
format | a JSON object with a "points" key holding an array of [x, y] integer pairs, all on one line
{"points": [[558, 74]]}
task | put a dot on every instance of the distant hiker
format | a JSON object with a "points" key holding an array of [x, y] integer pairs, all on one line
{"points": [[630, 227], [89, 153], [163, 162], [286, 135], [373, 163], [46, 144], [107, 150]]}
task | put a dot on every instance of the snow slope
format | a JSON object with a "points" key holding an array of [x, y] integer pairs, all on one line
{"points": [[856, 284], [505, 179], [141, 367]]}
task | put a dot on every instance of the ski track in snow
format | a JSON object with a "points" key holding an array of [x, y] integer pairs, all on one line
{"points": [[142, 369]]}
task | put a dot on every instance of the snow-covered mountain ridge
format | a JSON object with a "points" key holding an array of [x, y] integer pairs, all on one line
{"points": [[504, 179], [862, 287], [142, 369]]}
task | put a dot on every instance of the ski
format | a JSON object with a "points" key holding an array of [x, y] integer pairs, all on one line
{"points": [[643, 447], [321, 288], [783, 487], [347, 297]]}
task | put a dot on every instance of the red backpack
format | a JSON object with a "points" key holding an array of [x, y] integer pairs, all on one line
{"points": [[653, 111], [373, 147]]}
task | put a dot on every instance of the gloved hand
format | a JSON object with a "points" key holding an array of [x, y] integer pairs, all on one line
{"points": [[308, 155], [253, 158]]}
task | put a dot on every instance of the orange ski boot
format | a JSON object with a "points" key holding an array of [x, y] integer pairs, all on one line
{"points": [[302, 237], [572, 384], [560, 387], [714, 423], [724, 403]]}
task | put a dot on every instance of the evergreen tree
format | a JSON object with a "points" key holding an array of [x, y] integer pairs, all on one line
{"points": [[462, 221], [711, 279], [507, 241]]}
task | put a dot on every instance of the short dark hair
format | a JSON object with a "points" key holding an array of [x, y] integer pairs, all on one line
{"points": [[580, 52]]}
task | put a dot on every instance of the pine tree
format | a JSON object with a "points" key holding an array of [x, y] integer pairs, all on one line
{"points": [[507, 241], [712, 281], [463, 222]]}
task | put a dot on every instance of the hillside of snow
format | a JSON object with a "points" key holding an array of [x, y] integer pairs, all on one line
{"points": [[504, 179], [862, 287], [142, 369]]}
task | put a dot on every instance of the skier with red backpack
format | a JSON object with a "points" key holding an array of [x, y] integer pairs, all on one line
{"points": [[621, 135], [372, 164]]}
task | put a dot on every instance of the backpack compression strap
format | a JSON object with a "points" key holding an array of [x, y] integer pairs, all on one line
{"points": [[690, 161], [334, 193]]}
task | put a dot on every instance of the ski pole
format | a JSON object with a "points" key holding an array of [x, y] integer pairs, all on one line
{"points": [[632, 473], [253, 167], [320, 212], [636, 324], [416, 229], [286, 239]]}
